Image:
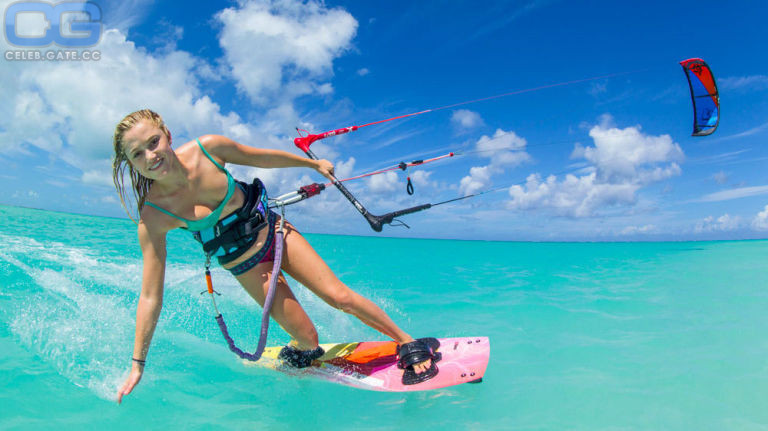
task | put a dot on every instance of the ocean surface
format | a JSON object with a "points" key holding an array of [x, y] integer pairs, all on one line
{"points": [[591, 336]]}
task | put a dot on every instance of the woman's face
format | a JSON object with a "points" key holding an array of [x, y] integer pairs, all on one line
{"points": [[148, 150]]}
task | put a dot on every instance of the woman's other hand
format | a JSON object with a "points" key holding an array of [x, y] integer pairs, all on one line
{"points": [[325, 168], [133, 379]]}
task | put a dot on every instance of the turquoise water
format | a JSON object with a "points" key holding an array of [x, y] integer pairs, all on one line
{"points": [[583, 335]]}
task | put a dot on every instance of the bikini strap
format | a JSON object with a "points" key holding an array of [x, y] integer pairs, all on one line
{"points": [[209, 156]]}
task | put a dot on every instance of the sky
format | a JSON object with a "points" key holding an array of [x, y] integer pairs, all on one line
{"points": [[595, 145]]}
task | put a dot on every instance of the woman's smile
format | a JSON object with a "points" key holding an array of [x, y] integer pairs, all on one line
{"points": [[156, 165]]}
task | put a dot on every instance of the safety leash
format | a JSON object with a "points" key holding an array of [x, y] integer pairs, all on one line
{"points": [[279, 237]]}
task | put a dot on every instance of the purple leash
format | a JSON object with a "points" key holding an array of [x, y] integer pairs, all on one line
{"points": [[267, 301]]}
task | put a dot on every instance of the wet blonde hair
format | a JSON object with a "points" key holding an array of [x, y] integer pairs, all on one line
{"points": [[139, 184]]}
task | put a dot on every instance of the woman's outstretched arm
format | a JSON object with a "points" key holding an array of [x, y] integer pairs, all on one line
{"points": [[150, 302], [230, 151]]}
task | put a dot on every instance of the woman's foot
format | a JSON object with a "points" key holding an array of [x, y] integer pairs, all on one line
{"points": [[418, 358], [300, 358]]}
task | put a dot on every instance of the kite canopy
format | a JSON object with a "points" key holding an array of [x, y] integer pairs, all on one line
{"points": [[706, 101]]}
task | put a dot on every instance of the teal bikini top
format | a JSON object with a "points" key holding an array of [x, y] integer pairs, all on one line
{"points": [[212, 218]]}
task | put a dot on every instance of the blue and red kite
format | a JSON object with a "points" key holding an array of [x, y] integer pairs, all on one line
{"points": [[706, 101]]}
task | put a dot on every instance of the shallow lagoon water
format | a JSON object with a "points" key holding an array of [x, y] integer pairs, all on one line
{"points": [[583, 335]]}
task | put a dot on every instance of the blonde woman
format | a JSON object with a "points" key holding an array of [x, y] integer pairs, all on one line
{"points": [[190, 188]]}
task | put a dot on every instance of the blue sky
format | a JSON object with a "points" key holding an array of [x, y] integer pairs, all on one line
{"points": [[609, 159]]}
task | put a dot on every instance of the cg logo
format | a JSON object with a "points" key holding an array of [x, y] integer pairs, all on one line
{"points": [[81, 33]]}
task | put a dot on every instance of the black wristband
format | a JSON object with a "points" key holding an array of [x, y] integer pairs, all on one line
{"points": [[139, 361]]}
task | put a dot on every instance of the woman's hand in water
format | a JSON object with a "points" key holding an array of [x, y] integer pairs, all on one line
{"points": [[325, 168], [133, 379]]}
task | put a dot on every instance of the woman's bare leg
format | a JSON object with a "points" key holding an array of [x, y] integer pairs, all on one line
{"points": [[286, 310], [302, 262]]}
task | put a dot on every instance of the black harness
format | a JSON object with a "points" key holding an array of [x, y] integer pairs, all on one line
{"points": [[236, 236]]}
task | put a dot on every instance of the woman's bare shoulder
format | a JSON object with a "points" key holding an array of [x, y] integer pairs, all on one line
{"points": [[187, 149], [213, 144], [214, 140]]}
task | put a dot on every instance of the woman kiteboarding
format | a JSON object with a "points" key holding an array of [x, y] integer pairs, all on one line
{"points": [[190, 188]]}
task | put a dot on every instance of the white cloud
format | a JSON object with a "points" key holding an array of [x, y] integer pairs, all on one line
{"points": [[573, 196], [501, 140], [621, 154], [760, 222], [297, 42], [71, 108], [362, 72], [745, 83], [621, 162], [720, 177], [723, 223], [479, 177], [344, 169], [393, 183], [721, 158], [633, 230], [384, 183], [741, 192], [504, 149], [749, 132], [97, 177], [29, 194], [466, 119], [421, 178], [124, 14]]}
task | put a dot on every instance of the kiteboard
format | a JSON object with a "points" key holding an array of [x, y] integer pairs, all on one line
{"points": [[372, 365]]}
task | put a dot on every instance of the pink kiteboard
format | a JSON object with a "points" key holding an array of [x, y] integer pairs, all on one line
{"points": [[372, 365]]}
